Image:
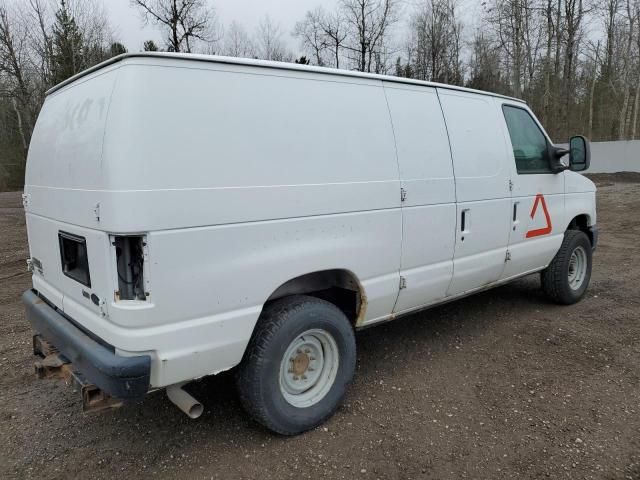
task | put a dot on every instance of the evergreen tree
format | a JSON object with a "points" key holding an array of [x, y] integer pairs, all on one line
{"points": [[117, 49], [67, 57], [150, 46]]}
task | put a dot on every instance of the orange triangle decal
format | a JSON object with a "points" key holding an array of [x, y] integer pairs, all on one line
{"points": [[545, 230]]}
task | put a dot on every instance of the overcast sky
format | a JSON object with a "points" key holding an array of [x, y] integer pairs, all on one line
{"points": [[128, 25]]}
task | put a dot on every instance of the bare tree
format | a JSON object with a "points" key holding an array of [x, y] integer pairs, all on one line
{"points": [[187, 21], [335, 33], [13, 67], [269, 40], [29, 54], [592, 89], [573, 20], [518, 31], [626, 68], [40, 39], [311, 34], [323, 34], [611, 11], [435, 42], [484, 65], [369, 22], [237, 42], [636, 103], [550, 32]]}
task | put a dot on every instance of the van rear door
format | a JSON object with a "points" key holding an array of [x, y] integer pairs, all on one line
{"points": [[64, 184]]}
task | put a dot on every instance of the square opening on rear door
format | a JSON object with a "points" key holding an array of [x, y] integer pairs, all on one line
{"points": [[73, 253]]}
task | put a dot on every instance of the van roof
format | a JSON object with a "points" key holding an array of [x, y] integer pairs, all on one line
{"points": [[271, 65]]}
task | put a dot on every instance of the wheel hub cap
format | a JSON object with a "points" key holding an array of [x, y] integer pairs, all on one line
{"points": [[309, 368], [301, 363], [577, 268]]}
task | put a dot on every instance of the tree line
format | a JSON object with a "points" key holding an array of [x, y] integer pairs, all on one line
{"points": [[576, 62], [41, 46]]}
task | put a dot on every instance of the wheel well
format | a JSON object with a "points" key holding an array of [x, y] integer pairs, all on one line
{"points": [[582, 223], [340, 287]]}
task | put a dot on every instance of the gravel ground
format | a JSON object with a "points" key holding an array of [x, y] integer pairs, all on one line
{"points": [[500, 385]]}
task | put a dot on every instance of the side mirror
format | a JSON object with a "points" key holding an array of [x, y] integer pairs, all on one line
{"points": [[555, 158], [579, 153]]}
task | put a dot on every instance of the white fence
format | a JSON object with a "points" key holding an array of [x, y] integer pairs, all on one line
{"points": [[611, 157]]}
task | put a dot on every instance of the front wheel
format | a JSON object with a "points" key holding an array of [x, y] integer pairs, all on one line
{"points": [[298, 364], [566, 279]]}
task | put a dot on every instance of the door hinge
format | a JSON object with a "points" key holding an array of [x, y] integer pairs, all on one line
{"points": [[403, 283], [102, 305], [507, 257], [510, 185], [403, 194], [96, 211], [26, 198]]}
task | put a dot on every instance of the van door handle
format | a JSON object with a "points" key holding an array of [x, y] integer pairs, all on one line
{"points": [[464, 222], [515, 215]]}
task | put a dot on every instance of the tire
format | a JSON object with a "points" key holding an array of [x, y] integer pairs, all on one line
{"points": [[270, 377], [561, 279]]}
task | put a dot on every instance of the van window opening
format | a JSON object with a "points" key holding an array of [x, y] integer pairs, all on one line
{"points": [[530, 149]]}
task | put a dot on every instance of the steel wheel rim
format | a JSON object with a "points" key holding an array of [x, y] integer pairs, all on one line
{"points": [[577, 268], [309, 368]]}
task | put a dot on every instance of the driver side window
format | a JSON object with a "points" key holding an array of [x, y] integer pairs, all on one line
{"points": [[528, 142]]}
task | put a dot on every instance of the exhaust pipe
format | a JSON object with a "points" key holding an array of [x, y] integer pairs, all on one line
{"points": [[185, 402]]}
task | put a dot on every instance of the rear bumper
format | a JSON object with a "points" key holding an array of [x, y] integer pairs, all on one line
{"points": [[120, 377]]}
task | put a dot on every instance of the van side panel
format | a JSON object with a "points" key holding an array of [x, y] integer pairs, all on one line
{"points": [[429, 210], [221, 273], [244, 128], [248, 136]]}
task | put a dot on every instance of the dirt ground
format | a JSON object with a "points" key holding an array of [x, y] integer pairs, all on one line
{"points": [[500, 385]]}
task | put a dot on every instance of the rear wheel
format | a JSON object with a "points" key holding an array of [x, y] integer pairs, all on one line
{"points": [[298, 364], [566, 279]]}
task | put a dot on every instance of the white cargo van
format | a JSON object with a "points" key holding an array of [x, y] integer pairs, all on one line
{"points": [[190, 214]]}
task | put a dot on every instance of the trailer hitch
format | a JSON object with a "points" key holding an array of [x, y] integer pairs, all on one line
{"points": [[55, 365]]}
